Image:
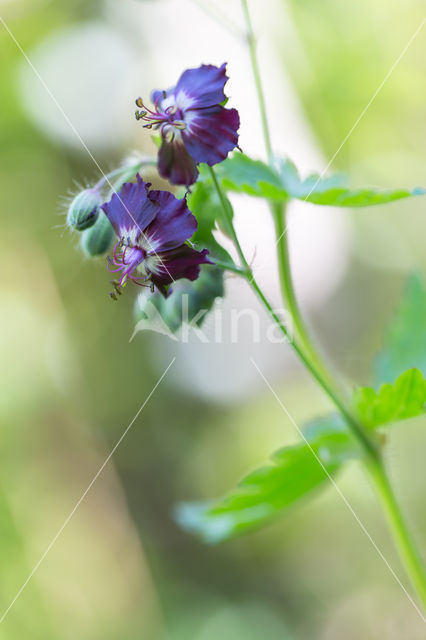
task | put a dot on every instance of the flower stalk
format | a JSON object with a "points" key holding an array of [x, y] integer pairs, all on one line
{"points": [[308, 354], [373, 459], [409, 553], [287, 290], [369, 444], [374, 464]]}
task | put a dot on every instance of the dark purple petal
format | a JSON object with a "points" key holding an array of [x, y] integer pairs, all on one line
{"points": [[176, 164], [183, 262], [212, 134], [131, 208], [202, 86], [174, 223]]}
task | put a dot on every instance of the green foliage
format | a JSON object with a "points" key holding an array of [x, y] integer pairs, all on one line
{"points": [[295, 473], [405, 343], [97, 240], [189, 301], [204, 203], [346, 197], [404, 399], [241, 174]]}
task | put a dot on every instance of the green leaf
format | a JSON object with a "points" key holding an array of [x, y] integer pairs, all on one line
{"points": [[204, 203], [188, 302], [322, 193], [404, 399], [242, 174], [405, 343], [295, 473], [331, 436]]}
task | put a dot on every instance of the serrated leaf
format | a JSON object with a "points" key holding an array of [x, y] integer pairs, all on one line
{"points": [[323, 194], [405, 342], [242, 174], [294, 474], [403, 399]]}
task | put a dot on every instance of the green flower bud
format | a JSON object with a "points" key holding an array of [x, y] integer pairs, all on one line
{"points": [[97, 240], [84, 209]]}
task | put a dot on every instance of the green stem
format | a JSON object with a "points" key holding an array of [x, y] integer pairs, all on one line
{"points": [[373, 460], [404, 543], [411, 557], [287, 290], [261, 98], [368, 443], [124, 173], [230, 267], [228, 218], [309, 356]]}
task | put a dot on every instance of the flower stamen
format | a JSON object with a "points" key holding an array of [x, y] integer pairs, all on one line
{"points": [[126, 257], [165, 119]]}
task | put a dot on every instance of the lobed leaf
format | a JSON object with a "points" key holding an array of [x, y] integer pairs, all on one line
{"points": [[241, 174], [294, 474], [403, 399]]}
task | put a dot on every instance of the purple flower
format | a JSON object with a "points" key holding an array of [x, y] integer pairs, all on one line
{"points": [[152, 228], [194, 125]]}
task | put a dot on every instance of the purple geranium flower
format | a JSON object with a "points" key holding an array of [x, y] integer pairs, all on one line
{"points": [[152, 228], [194, 125]]}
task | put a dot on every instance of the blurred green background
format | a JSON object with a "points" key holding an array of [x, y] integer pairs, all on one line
{"points": [[72, 382]]}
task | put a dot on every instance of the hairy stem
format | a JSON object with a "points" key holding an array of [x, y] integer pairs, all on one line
{"points": [[115, 178]]}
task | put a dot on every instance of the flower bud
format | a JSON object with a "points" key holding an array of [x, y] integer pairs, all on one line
{"points": [[97, 240], [84, 209]]}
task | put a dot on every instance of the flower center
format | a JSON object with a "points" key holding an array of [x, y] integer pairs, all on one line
{"points": [[169, 120], [132, 261]]}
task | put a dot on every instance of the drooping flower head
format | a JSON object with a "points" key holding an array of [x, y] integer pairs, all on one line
{"points": [[194, 125], [152, 228]]}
